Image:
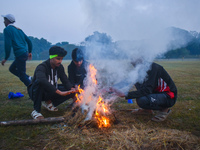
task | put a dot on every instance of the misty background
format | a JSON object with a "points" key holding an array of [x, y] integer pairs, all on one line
{"points": [[112, 33]]}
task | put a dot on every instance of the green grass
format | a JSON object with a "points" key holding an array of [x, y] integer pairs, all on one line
{"points": [[184, 118]]}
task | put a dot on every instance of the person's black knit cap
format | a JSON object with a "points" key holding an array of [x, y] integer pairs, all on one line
{"points": [[57, 50], [77, 54]]}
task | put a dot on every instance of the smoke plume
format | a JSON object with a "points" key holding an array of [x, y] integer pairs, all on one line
{"points": [[128, 31]]}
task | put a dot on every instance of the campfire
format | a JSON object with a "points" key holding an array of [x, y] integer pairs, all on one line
{"points": [[91, 102]]}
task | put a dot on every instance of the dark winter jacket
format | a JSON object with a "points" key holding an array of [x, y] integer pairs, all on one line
{"points": [[48, 77], [77, 75], [152, 84], [15, 38]]}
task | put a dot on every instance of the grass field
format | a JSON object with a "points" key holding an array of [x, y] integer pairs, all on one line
{"points": [[180, 131]]}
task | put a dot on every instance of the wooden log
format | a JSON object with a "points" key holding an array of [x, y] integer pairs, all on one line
{"points": [[32, 121]]}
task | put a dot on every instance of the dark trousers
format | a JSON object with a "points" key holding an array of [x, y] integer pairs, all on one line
{"points": [[157, 101], [18, 68], [38, 94]]}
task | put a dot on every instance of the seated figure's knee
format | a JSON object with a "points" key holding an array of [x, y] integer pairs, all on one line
{"points": [[142, 101], [11, 69]]}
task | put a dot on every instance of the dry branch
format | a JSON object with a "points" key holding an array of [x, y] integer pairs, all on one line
{"points": [[32, 121]]}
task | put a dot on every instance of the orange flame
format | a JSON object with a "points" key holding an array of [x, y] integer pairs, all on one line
{"points": [[101, 108], [79, 97], [102, 120], [93, 73]]}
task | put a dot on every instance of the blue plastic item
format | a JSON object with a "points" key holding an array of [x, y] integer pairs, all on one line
{"points": [[13, 95], [130, 101]]}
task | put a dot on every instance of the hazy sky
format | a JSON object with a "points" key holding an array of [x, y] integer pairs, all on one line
{"points": [[73, 20]]}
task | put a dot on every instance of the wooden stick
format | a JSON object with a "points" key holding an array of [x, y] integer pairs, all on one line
{"points": [[32, 121]]}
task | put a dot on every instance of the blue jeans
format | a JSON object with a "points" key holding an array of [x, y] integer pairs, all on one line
{"points": [[18, 68]]}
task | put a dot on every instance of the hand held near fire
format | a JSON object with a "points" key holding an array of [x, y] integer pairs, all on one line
{"points": [[117, 92], [120, 94], [74, 90], [64, 93]]}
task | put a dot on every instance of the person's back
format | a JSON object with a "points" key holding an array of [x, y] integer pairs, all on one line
{"points": [[154, 75], [16, 38]]}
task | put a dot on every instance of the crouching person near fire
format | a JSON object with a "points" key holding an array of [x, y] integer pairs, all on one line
{"points": [[157, 92], [76, 69], [44, 86]]}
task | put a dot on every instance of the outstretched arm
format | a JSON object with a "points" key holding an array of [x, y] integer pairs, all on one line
{"points": [[64, 93]]}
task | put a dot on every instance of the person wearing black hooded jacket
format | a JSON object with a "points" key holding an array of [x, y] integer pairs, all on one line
{"points": [[45, 87], [157, 92], [77, 68]]}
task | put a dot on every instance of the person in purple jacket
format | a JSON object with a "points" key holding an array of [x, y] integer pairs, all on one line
{"points": [[45, 87], [15, 38]]}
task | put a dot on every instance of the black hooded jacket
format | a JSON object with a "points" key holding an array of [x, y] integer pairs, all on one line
{"points": [[77, 75], [149, 86], [48, 77]]}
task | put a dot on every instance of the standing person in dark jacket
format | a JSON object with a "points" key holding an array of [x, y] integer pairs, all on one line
{"points": [[44, 86], [17, 39], [157, 92], [76, 69]]}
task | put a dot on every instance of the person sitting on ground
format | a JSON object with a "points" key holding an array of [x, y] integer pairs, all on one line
{"points": [[76, 69], [157, 92], [45, 87], [15, 38]]}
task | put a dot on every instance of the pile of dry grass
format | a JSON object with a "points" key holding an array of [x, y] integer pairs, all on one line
{"points": [[76, 118], [124, 135]]}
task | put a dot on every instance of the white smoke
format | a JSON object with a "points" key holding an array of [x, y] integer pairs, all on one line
{"points": [[113, 59], [138, 29]]}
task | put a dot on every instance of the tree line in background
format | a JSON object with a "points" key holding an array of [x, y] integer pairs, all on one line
{"points": [[41, 46]]}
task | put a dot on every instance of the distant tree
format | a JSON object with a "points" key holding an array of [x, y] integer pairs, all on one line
{"points": [[103, 46], [99, 38], [194, 47], [62, 43], [178, 53], [99, 46], [39, 46]]}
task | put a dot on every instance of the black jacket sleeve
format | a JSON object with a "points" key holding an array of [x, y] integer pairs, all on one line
{"points": [[166, 77], [148, 86], [42, 77], [71, 74], [64, 78]]}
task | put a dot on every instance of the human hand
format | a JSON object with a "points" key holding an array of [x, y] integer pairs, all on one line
{"points": [[76, 87], [64, 93], [3, 62], [117, 92], [29, 56], [74, 90]]}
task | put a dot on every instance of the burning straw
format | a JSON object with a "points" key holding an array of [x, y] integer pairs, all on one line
{"points": [[90, 106], [77, 119]]}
